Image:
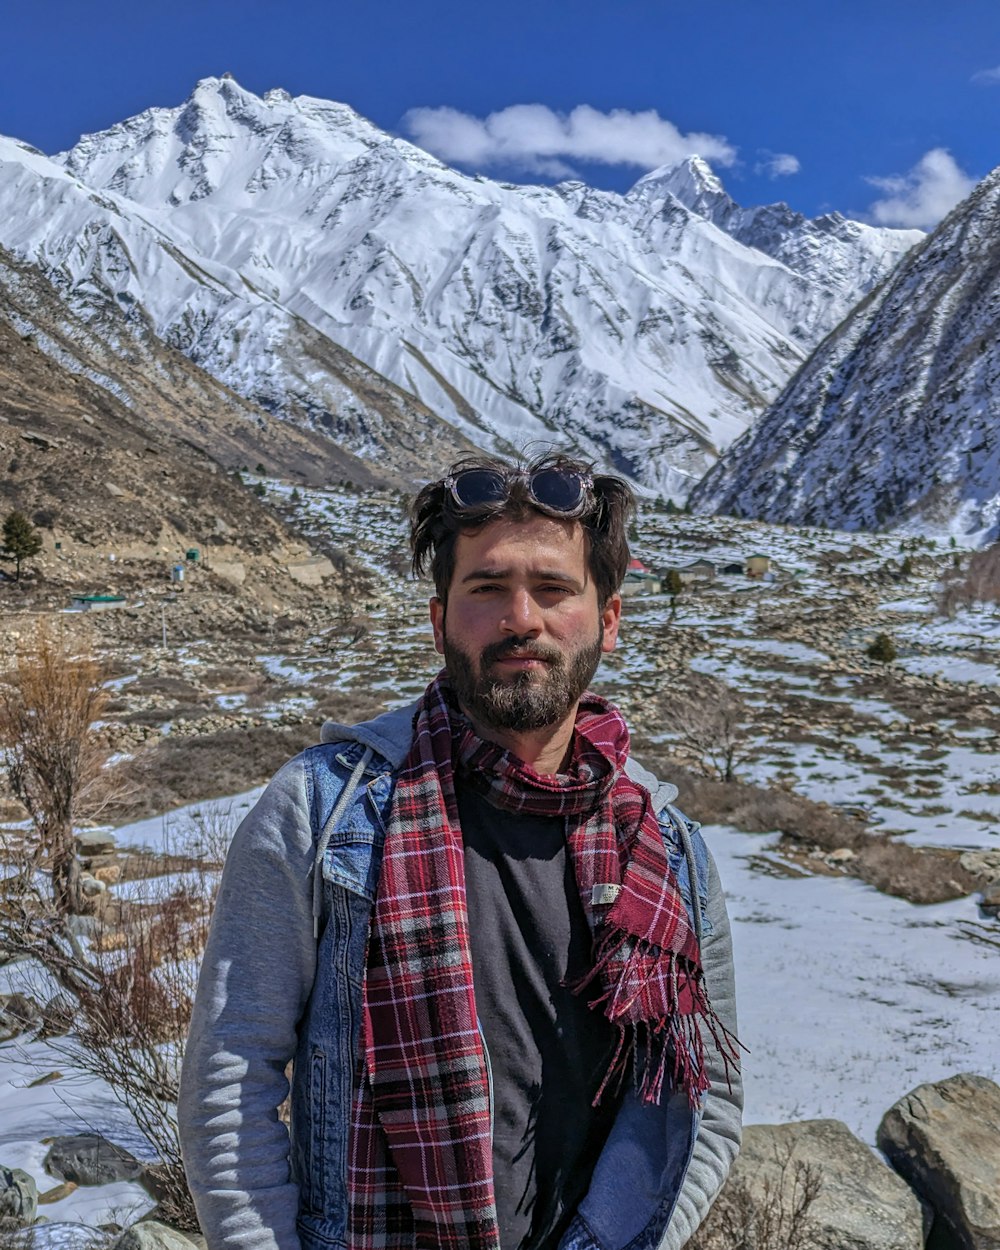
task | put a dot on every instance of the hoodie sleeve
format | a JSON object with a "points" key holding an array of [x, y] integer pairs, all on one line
{"points": [[718, 1140], [256, 977]]}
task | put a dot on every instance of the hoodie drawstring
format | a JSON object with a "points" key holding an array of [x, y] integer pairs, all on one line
{"points": [[328, 831]]}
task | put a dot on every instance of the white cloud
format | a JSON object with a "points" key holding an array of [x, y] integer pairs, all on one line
{"points": [[987, 77], [923, 196], [777, 164], [535, 137]]}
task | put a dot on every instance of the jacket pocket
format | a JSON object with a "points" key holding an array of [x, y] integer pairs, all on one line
{"points": [[349, 865]]}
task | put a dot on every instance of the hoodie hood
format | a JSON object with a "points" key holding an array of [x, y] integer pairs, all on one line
{"points": [[390, 735]]}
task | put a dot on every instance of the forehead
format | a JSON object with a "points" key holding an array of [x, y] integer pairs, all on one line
{"points": [[537, 543]]}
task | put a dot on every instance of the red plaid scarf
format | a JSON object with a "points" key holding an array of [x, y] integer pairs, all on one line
{"points": [[421, 1171]]}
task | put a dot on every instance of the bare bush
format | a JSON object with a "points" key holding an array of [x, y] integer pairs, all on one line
{"points": [[49, 700], [771, 1216], [134, 981], [710, 726]]}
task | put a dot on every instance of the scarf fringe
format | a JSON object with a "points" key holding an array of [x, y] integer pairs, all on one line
{"points": [[650, 1047]]}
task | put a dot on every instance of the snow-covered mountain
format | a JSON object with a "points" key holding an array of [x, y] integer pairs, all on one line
{"points": [[895, 420], [279, 242], [844, 257], [134, 300]]}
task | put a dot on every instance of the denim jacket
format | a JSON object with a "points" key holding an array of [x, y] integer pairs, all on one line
{"points": [[271, 991]]}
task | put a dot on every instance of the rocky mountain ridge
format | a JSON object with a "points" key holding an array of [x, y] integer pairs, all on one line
{"points": [[629, 325], [893, 422]]}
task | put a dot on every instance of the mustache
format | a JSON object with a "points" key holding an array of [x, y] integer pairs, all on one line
{"points": [[513, 647]]}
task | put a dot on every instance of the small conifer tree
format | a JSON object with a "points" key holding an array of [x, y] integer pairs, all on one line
{"points": [[882, 649], [21, 541]]}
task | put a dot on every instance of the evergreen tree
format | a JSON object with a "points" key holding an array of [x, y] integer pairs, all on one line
{"points": [[673, 584], [21, 541], [882, 649]]}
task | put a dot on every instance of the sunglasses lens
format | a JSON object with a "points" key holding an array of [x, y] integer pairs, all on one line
{"points": [[479, 488], [558, 489]]}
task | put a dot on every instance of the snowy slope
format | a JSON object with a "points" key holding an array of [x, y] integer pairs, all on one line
{"points": [[119, 271], [631, 325], [844, 258], [894, 421]]}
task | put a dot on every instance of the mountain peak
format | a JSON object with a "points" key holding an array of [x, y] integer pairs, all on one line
{"points": [[692, 181]]}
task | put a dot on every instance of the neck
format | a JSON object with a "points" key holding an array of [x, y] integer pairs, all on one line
{"points": [[545, 750]]}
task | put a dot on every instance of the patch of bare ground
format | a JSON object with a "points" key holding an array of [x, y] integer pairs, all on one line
{"points": [[190, 768], [818, 839]]}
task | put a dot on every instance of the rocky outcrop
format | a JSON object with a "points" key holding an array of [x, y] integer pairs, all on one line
{"points": [[812, 1185], [152, 1235], [18, 1198], [90, 1159], [944, 1138], [18, 1014]]}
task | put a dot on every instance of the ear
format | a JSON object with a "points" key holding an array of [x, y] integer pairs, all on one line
{"points": [[437, 623], [611, 616]]}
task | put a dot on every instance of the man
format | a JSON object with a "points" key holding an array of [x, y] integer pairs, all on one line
{"points": [[498, 958]]}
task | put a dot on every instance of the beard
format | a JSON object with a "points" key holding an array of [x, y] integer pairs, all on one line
{"points": [[525, 700]]}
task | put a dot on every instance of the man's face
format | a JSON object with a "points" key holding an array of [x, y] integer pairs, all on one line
{"points": [[523, 632]]}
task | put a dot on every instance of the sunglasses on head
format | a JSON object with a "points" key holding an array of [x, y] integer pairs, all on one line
{"points": [[557, 492]]}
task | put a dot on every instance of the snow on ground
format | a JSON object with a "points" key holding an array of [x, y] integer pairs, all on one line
{"points": [[848, 998]]}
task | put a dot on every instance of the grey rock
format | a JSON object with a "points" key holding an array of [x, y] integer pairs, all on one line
{"points": [[152, 1235], [18, 1198], [857, 1203], [985, 864], [58, 1015], [94, 842], [18, 1014], [989, 902], [944, 1139], [90, 1159]]}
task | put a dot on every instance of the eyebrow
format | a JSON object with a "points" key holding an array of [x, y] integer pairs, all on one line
{"points": [[541, 575]]}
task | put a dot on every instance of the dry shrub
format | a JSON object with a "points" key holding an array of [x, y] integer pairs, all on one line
{"points": [[134, 984], [709, 725], [180, 770], [919, 874], [979, 582], [55, 763], [758, 809], [775, 1217]]}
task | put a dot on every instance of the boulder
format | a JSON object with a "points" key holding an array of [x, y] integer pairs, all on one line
{"points": [[94, 842], [58, 1015], [989, 902], [944, 1139], [984, 864], [152, 1235], [18, 1014], [812, 1185], [18, 1198], [90, 1159]]}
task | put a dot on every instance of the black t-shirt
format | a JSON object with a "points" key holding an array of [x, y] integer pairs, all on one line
{"points": [[548, 1050]]}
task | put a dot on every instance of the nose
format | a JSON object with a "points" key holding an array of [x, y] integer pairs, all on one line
{"points": [[522, 617]]}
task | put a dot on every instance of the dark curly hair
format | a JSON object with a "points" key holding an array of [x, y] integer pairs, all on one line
{"points": [[435, 523]]}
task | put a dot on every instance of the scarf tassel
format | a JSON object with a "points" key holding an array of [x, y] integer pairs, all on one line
{"points": [[650, 1047]]}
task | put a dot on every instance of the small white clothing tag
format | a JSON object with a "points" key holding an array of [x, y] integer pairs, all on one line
{"points": [[604, 894]]}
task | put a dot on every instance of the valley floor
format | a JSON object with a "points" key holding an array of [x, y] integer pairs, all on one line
{"points": [[848, 997]]}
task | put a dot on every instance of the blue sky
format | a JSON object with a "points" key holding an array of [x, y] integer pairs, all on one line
{"points": [[792, 99]]}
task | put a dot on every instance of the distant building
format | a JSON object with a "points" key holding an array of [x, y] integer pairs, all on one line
{"points": [[758, 565], [733, 568], [640, 581], [702, 567], [97, 603]]}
